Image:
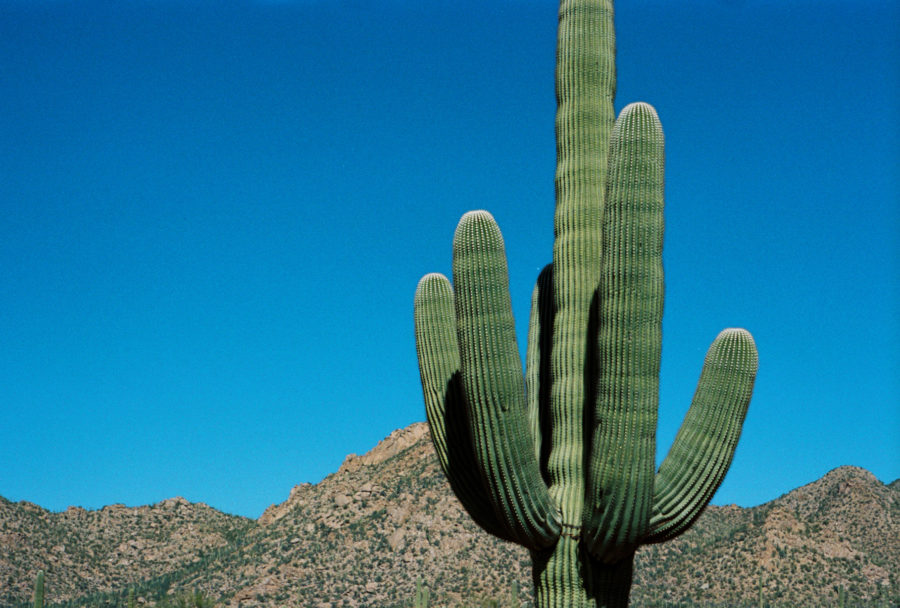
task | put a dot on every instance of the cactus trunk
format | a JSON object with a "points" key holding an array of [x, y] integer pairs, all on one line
{"points": [[585, 88], [560, 457], [569, 577]]}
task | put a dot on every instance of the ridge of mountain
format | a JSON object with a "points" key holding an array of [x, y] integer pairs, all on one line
{"points": [[364, 535]]}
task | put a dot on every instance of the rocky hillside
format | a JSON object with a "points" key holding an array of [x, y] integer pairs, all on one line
{"points": [[365, 534], [85, 551], [842, 531]]}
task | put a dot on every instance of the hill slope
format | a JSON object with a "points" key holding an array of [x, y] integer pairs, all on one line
{"points": [[85, 551], [366, 533]]}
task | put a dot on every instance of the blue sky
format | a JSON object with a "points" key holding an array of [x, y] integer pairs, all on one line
{"points": [[214, 216]]}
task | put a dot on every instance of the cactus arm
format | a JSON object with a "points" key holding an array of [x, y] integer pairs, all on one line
{"points": [[494, 385], [704, 446], [629, 343], [438, 354], [537, 357]]}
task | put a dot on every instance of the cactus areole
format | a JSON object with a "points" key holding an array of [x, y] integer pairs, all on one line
{"points": [[561, 458]]}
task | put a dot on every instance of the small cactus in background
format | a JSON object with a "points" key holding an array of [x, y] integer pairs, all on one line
{"points": [[761, 601], [422, 595], [514, 595], [39, 590], [131, 599], [561, 459]]}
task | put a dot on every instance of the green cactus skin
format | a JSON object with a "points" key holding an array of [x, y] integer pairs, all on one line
{"points": [[762, 603], [39, 590], [422, 595], [560, 458]]}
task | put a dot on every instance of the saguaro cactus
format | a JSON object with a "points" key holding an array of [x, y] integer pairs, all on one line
{"points": [[39, 590], [561, 459], [421, 600]]}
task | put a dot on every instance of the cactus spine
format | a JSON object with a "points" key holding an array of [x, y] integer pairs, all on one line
{"points": [[39, 590], [560, 458]]}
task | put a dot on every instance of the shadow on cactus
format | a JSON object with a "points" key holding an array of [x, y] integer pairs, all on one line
{"points": [[560, 459]]}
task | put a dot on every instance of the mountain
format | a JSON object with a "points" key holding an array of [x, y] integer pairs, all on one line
{"points": [[365, 534], [86, 551]]}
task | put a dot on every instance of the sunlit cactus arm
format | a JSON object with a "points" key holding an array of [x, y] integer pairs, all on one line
{"points": [[494, 385], [704, 446], [629, 343], [438, 352]]}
